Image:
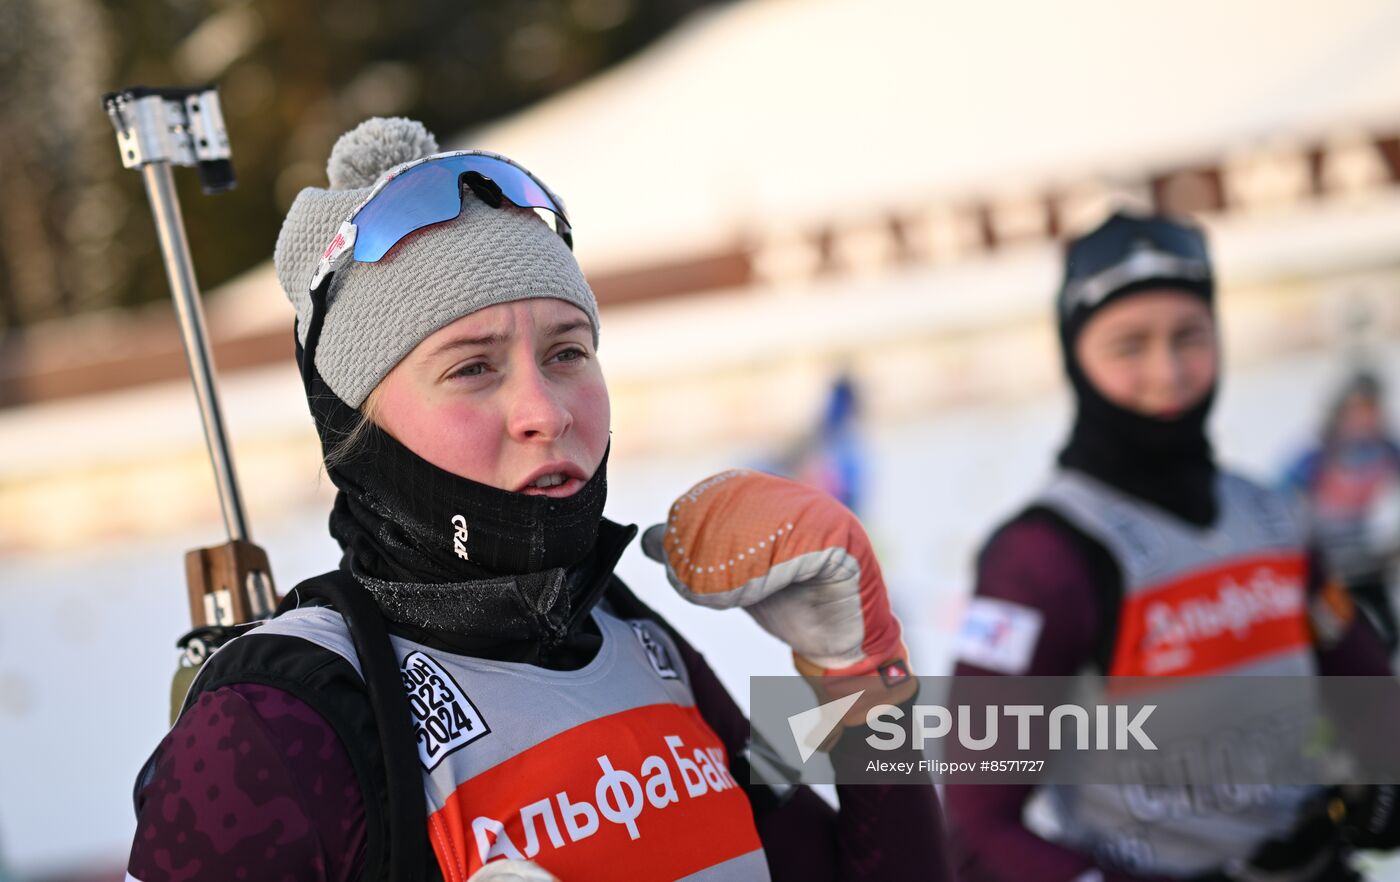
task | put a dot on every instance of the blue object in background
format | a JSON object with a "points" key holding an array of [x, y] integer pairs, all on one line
{"points": [[830, 456]]}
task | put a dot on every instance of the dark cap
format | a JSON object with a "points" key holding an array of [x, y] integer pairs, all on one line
{"points": [[1128, 253]]}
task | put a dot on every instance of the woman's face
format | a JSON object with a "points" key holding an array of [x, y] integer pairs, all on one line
{"points": [[510, 396], [1154, 352]]}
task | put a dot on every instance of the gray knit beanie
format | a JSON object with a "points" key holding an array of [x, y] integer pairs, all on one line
{"points": [[378, 312]]}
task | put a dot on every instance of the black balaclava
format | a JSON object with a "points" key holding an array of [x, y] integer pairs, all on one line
{"points": [[1167, 463]]}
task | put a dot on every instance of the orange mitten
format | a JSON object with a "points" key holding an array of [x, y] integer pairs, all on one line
{"points": [[800, 563]]}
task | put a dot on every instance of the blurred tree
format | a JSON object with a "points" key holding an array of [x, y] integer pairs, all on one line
{"points": [[58, 212], [293, 75]]}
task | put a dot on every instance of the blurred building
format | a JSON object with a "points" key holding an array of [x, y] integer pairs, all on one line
{"points": [[778, 187]]}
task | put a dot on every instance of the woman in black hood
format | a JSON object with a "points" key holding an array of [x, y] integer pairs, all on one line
{"points": [[1127, 562]]}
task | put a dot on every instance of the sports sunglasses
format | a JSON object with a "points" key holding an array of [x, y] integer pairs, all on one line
{"points": [[418, 194]]}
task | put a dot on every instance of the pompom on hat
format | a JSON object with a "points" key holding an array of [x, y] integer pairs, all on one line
{"points": [[378, 312]]}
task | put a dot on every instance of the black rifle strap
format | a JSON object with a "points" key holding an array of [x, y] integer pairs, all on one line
{"points": [[408, 808]]}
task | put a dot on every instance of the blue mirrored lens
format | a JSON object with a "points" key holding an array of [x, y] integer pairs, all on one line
{"points": [[515, 185], [431, 193], [425, 194]]}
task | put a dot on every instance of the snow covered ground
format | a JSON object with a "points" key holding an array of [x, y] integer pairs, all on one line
{"points": [[86, 638]]}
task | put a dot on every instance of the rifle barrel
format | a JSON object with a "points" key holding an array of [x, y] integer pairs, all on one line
{"points": [[179, 268]]}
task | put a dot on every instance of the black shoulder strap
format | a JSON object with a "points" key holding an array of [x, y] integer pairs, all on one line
{"points": [[407, 851]]}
